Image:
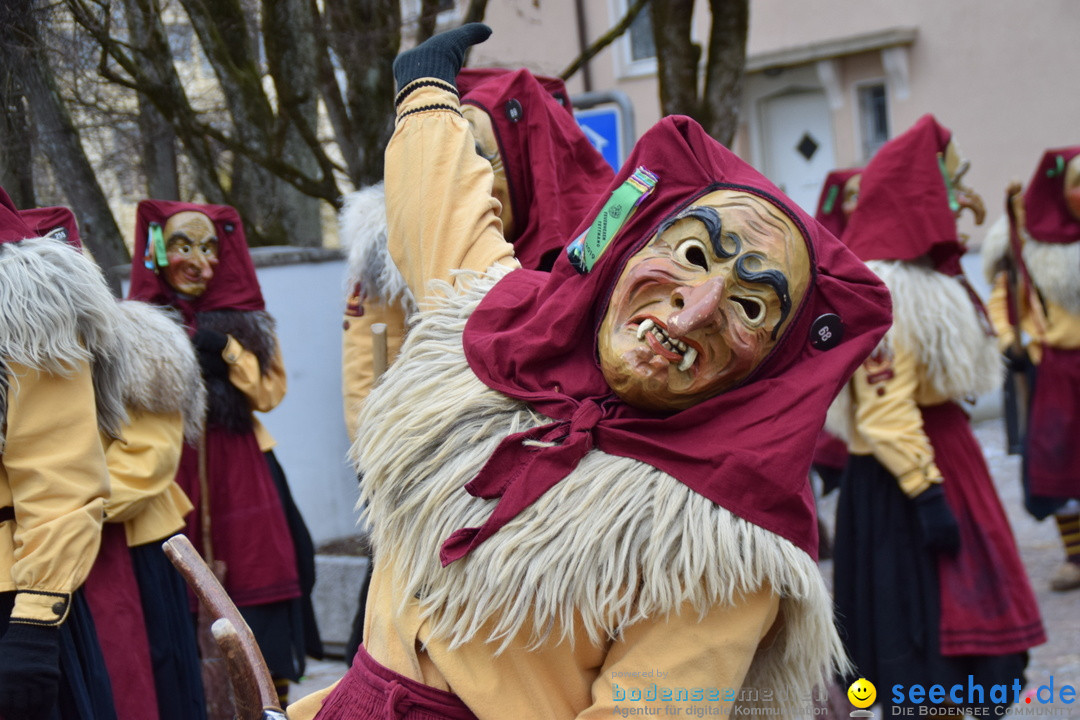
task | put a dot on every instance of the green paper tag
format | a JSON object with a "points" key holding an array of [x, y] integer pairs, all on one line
{"points": [[954, 204], [587, 249], [830, 199], [157, 241]]}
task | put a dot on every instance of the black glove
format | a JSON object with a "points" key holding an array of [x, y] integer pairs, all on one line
{"points": [[440, 56], [29, 671], [1016, 360], [940, 533], [210, 344]]}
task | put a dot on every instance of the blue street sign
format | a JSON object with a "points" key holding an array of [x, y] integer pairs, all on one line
{"points": [[603, 127]]}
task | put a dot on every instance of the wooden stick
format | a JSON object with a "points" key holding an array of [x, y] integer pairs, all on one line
{"points": [[378, 348], [245, 683], [248, 674]]}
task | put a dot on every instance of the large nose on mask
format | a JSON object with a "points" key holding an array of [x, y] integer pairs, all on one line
{"points": [[699, 307], [204, 264], [971, 200]]}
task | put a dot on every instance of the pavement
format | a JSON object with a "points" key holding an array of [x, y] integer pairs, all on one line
{"points": [[1057, 662]]}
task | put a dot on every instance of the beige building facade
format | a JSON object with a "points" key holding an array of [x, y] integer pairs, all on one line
{"points": [[828, 81]]}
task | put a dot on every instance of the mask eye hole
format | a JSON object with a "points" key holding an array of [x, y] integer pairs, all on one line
{"points": [[752, 308], [692, 252]]}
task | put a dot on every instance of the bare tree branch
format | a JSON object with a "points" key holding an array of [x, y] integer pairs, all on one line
{"points": [[604, 40]]}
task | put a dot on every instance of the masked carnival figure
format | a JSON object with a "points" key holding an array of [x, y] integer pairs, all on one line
{"points": [[928, 580], [194, 258], [575, 477], [1035, 306], [60, 391]]}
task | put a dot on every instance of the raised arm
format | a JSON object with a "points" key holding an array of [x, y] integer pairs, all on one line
{"points": [[441, 215]]}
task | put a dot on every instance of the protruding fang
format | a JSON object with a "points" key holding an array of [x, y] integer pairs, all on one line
{"points": [[688, 359], [645, 326]]}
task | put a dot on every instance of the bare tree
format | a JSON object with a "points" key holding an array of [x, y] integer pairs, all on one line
{"points": [[295, 104], [713, 100], [21, 47], [259, 145]]}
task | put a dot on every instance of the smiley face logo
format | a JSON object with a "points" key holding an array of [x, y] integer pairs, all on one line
{"points": [[862, 693]]}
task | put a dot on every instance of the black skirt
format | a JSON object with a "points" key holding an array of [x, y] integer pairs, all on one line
{"points": [[85, 690], [170, 630], [287, 631], [887, 595]]}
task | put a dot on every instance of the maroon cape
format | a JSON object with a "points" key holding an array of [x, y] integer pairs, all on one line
{"points": [[830, 207], [1048, 217], [987, 604], [13, 227], [903, 211], [555, 174]]}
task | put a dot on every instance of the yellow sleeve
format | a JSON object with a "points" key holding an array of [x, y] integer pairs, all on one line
{"points": [[888, 418], [264, 391], [441, 215], [357, 354], [712, 652], [143, 462], [998, 308], [55, 468]]}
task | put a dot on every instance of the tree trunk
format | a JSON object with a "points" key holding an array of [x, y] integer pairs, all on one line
{"points": [[157, 138], [158, 143], [154, 76], [59, 140], [292, 59], [676, 56], [366, 36], [725, 72], [16, 144]]}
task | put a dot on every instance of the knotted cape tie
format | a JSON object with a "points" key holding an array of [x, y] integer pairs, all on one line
{"points": [[518, 473]]}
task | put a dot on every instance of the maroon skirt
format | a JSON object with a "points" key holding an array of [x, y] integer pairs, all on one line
{"points": [[987, 604], [113, 594], [370, 691], [1052, 455]]}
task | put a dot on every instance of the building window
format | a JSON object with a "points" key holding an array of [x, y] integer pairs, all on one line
{"points": [[873, 118], [642, 45], [638, 50]]}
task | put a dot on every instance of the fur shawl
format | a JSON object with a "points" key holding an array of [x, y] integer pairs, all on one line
{"points": [[933, 313], [228, 406], [362, 231], [163, 372], [615, 542], [55, 311], [1054, 267]]}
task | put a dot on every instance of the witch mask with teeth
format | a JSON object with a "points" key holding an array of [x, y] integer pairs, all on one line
{"points": [[699, 307]]}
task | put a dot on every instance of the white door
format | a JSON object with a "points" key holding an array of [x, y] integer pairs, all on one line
{"points": [[798, 143]]}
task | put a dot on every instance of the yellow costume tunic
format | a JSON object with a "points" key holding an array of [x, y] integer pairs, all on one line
{"points": [[264, 391], [142, 470], [357, 350], [52, 470], [1056, 327]]}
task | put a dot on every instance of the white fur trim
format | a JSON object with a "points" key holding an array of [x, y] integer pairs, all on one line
{"points": [[934, 315], [995, 248], [56, 310], [362, 229], [1055, 271], [163, 373], [614, 542]]}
